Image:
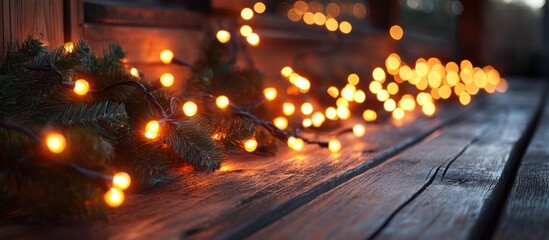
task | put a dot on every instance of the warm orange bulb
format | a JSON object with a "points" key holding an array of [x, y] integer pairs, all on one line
{"points": [[134, 72], [114, 197], [250, 145], [334, 146], [281, 122], [166, 56], [246, 30], [223, 36], [307, 122], [253, 39], [81, 87], [270, 93], [396, 32], [260, 7], [190, 108], [360, 96], [333, 91], [286, 71], [296, 144], [121, 180], [222, 102], [369, 115], [378, 74], [398, 114], [353, 79], [331, 113], [345, 27], [69, 47], [318, 118], [307, 108], [359, 130], [151, 129], [288, 108], [343, 113], [56, 142], [167, 79], [247, 13]]}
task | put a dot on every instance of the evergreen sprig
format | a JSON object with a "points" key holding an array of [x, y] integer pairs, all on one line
{"points": [[104, 129]]}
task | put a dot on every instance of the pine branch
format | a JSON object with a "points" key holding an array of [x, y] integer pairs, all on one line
{"points": [[193, 146]]}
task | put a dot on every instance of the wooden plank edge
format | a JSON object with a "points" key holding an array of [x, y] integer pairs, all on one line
{"points": [[487, 223], [292, 204]]}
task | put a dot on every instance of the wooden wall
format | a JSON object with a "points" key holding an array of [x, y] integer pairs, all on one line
{"points": [[41, 18]]}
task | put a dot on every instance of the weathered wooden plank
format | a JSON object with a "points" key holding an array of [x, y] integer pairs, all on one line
{"points": [[250, 192], [405, 196], [526, 212], [42, 19]]}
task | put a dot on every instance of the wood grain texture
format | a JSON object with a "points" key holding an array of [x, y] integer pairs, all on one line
{"points": [[526, 212], [249, 193], [42, 19], [405, 197]]}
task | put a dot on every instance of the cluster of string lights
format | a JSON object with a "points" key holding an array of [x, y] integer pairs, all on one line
{"points": [[329, 16], [434, 81]]}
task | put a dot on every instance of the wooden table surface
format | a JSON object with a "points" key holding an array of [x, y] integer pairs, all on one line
{"points": [[473, 172]]}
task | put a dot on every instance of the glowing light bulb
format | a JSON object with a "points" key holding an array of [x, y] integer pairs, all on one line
{"points": [[281, 122], [270, 93], [302, 83], [392, 88], [396, 32], [81, 87], [369, 115], [398, 114], [134, 72], [360, 96], [246, 30], [222, 102], [345, 27], [343, 113], [260, 7], [250, 145], [307, 108], [428, 109], [334, 146], [378, 74], [359, 130], [167, 79], [333, 91], [331, 113], [247, 13], [353, 79], [286, 71], [318, 118], [288, 108], [166, 56], [56, 142], [114, 197], [151, 129], [296, 144], [389, 105], [190, 108], [307, 122], [253, 39], [121, 180], [223, 36], [375, 87], [69, 47], [464, 98], [348, 93]]}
